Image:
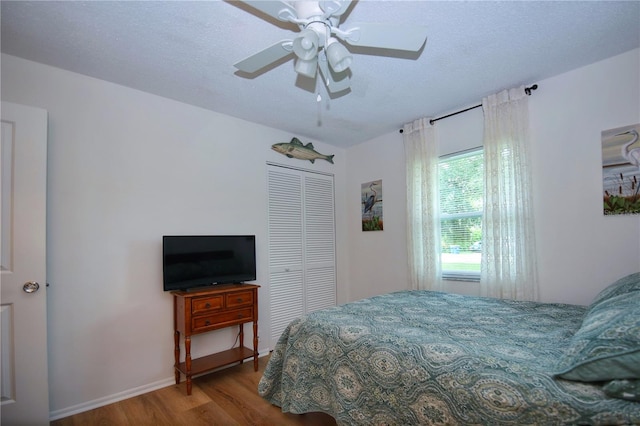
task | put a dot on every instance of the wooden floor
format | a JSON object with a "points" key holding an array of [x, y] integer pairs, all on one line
{"points": [[226, 397]]}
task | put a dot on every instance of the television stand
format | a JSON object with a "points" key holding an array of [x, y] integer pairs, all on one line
{"points": [[208, 309]]}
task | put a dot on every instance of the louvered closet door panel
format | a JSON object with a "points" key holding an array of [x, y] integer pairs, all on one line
{"points": [[285, 221], [285, 249], [319, 248], [321, 288], [287, 301]]}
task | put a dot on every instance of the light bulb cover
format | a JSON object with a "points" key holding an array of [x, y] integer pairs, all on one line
{"points": [[307, 67], [305, 46], [339, 57]]}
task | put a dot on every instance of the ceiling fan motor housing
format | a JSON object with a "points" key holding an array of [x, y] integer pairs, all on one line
{"points": [[307, 9]]}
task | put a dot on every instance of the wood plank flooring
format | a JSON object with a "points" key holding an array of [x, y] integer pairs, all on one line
{"points": [[226, 397]]}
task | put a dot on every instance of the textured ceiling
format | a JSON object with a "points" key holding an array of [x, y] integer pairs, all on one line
{"points": [[186, 51]]}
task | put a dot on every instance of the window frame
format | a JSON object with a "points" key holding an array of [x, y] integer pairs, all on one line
{"points": [[453, 275]]}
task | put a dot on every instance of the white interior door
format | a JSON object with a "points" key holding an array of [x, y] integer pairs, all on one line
{"points": [[23, 326]]}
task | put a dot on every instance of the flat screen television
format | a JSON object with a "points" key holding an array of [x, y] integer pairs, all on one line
{"points": [[194, 261]]}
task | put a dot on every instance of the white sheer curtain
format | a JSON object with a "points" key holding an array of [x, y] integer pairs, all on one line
{"points": [[508, 266], [423, 224]]}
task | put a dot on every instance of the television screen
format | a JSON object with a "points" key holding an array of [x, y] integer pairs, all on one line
{"points": [[192, 261]]}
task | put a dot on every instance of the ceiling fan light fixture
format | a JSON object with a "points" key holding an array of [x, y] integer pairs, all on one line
{"points": [[307, 67], [321, 46], [305, 46], [339, 57]]}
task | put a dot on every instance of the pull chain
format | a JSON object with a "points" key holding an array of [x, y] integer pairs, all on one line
{"points": [[318, 102]]}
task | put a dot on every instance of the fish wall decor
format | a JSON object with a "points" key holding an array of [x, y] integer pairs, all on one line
{"points": [[296, 149]]}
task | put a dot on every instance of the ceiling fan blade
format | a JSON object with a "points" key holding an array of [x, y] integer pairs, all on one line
{"points": [[385, 36], [334, 7], [280, 10], [334, 86], [265, 57]]}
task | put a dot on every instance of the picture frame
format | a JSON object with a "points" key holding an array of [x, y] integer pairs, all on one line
{"points": [[371, 206], [621, 170]]}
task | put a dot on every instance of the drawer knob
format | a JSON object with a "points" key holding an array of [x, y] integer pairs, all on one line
{"points": [[239, 315], [208, 305], [207, 322], [239, 300]]}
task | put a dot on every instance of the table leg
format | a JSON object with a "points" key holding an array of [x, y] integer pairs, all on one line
{"points": [[176, 354], [187, 362], [255, 345], [241, 338]]}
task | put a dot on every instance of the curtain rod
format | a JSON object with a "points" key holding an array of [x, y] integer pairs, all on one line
{"points": [[527, 90]]}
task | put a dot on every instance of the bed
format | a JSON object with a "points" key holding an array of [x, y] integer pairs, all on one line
{"points": [[422, 357]]}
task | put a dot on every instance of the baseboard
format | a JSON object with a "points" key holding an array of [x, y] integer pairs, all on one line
{"points": [[120, 396], [110, 399]]}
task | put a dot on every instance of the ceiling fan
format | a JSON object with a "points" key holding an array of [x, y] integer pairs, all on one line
{"points": [[318, 45]]}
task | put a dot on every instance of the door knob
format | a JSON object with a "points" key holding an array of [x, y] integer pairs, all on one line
{"points": [[30, 287]]}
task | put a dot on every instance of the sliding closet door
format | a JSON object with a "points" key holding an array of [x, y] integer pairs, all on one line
{"points": [[302, 272]]}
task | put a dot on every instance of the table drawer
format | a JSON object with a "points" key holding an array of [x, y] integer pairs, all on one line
{"points": [[241, 298], [222, 319], [205, 304]]}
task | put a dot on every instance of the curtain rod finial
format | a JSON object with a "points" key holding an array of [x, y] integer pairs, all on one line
{"points": [[528, 90]]}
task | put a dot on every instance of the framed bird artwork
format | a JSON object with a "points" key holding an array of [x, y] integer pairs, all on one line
{"points": [[621, 170], [371, 198]]}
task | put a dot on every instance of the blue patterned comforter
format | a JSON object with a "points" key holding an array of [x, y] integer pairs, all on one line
{"points": [[420, 357]]}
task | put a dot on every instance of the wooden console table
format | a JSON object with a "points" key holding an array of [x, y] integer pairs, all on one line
{"points": [[201, 311]]}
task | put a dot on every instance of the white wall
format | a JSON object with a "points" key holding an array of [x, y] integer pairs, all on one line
{"points": [[580, 251], [124, 168], [377, 259]]}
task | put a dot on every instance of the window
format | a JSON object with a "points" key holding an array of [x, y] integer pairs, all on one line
{"points": [[460, 180]]}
